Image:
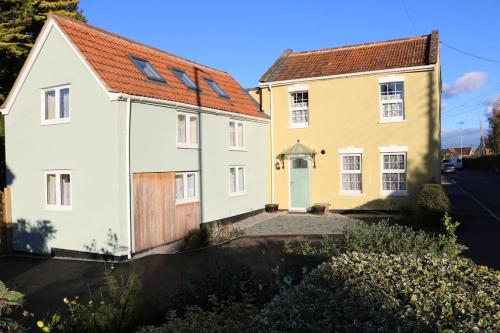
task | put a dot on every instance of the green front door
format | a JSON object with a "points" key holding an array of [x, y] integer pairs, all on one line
{"points": [[299, 183]]}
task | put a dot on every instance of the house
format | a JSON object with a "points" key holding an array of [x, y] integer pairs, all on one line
{"points": [[357, 127], [459, 151], [117, 147]]}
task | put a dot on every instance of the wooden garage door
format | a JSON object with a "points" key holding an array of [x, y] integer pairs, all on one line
{"points": [[157, 219]]}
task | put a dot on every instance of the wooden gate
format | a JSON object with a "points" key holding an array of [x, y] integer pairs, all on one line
{"points": [[157, 219]]}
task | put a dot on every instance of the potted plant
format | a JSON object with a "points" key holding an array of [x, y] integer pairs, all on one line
{"points": [[271, 208], [319, 208]]}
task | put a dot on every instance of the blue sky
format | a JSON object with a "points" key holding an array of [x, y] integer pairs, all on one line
{"points": [[244, 38]]}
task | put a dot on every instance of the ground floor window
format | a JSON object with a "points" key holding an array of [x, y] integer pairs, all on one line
{"points": [[237, 180], [393, 173], [351, 173], [186, 187], [58, 189]]}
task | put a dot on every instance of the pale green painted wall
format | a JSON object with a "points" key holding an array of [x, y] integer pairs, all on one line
{"points": [[91, 145], [153, 149], [217, 158], [153, 141]]}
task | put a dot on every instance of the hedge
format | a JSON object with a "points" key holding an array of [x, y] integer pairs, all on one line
{"points": [[358, 292], [433, 203], [490, 162]]}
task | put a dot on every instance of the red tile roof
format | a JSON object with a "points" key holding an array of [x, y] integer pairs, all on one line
{"points": [[407, 52], [109, 56], [466, 151]]}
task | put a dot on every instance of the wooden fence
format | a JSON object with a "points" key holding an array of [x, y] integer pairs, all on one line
{"points": [[5, 222]]}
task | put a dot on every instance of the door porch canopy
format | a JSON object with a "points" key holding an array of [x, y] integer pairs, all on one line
{"points": [[297, 149]]}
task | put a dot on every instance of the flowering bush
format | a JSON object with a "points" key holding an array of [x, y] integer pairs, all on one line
{"points": [[357, 292], [113, 312]]}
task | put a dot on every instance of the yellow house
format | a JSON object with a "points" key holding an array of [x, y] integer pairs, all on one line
{"points": [[357, 127]]}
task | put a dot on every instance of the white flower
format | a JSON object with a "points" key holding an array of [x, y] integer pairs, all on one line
{"points": [[275, 270], [288, 280]]}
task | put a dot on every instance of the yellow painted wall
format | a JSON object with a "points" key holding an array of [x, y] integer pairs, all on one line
{"points": [[345, 112]]}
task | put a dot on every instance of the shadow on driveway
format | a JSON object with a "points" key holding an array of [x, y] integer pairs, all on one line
{"points": [[478, 229]]}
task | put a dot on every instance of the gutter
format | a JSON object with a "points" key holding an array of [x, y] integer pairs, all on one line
{"points": [[121, 96], [127, 173]]}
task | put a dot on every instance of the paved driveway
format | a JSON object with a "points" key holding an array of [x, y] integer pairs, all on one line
{"points": [[475, 198]]}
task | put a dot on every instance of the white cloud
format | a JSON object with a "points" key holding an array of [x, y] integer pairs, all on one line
{"points": [[450, 137], [468, 82], [491, 103]]}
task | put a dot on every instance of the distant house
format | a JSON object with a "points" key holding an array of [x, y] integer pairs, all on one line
{"points": [[355, 126], [117, 147], [457, 151]]}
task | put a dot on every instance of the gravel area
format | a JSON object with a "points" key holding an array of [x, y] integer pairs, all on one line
{"points": [[292, 224]]}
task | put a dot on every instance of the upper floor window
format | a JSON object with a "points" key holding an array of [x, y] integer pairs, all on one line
{"points": [[394, 173], [55, 105], [236, 135], [58, 190], [185, 79], [186, 187], [351, 173], [216, 88], [187, 130], [391, 99], [299, 109], [147, 69]]}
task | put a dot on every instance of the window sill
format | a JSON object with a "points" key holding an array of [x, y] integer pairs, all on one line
{"points": [[394, 194], [237, 194], [298, 126], [58, 208], [237, 149], [351, 194], [185, 146], [391, 120], [55, 122], [186, 201]]}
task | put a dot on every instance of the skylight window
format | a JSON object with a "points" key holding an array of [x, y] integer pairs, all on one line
{"points": [[185, 79], [147, 70], [216, 88]]}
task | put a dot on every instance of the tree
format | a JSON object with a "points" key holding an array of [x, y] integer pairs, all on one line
{"points": [[493, 139], [20, 24]]}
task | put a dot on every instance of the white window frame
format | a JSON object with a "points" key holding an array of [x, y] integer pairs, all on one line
{"points": [[188, 143], [392, 151], [239, 145], [187, 199], [298, 108], [388, 80], [57, 106], [238, 192], [58, 206], [360, 172]]}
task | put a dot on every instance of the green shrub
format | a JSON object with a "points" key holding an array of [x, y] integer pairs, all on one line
{"points": [[10, 302], [197, 238], [358, 292], [433, 203], [213, 233], [224, 316], [113, 312], [382, 237]]}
